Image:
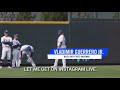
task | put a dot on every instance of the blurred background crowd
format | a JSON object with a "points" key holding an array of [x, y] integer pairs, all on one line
{"points": [[56, 16]]}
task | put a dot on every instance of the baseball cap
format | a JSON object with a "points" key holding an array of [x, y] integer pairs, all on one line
{"points": [[60, 31], [6, 31], [29, 48], [16, 35]]}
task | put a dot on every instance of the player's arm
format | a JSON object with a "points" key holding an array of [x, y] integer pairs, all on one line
{"points": [[61, 40], [20, 55], [19, 44], [31, 54], [16, 46], [6, 43], [11, 42], [59, 45], [2, 41], [32, 51]]}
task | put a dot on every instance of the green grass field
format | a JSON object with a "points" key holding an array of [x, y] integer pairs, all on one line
{"points": [[102, 72]]}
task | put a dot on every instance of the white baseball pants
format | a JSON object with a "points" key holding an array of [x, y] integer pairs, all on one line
{"points": [[63, 60], [6, 52]]}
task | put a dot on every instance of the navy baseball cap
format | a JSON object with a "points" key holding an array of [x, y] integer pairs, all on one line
{"points": [[6, 31], [16, 35], [60, 31], [29, 48]]}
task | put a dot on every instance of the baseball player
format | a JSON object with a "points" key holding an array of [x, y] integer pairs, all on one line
{"points": [[28, 50], [60, 44], [6, 48], [16, 50]]}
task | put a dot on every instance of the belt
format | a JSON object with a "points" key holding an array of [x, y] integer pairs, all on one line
{"points": [[16, 48]]}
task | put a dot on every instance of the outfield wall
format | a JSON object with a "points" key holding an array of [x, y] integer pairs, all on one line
{"points": [[86, 34], [97, 34]]}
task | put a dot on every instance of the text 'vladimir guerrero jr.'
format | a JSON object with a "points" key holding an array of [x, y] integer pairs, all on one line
{"points": [[66, 69]]}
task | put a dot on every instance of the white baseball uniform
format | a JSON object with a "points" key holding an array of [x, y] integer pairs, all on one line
{"points": [[16, 51], [61, 38], [28, 50], [6, 48]]}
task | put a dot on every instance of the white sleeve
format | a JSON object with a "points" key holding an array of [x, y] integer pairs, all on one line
{"points": [[61, 39], [14, 43], [10, 39], [2, 39], [22, 48], [19, 43], [32, 49]]}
